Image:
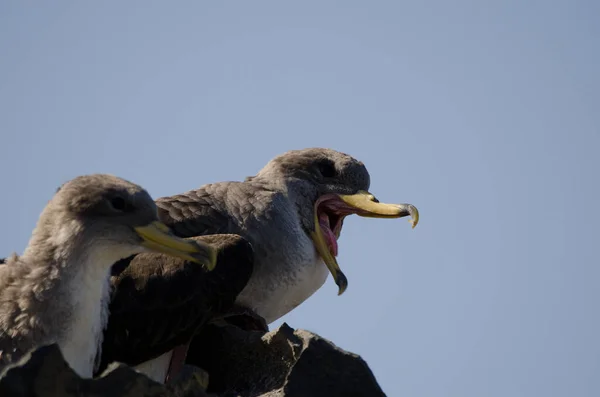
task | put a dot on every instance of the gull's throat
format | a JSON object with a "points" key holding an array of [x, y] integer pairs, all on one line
{"points": [[328, 233]]}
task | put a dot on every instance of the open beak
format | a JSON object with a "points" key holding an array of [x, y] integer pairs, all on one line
{"points": [[320, 243], [158, 237], [366, 205]]}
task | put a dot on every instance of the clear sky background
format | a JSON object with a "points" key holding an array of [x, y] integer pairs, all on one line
{"points": [[486, 116]]}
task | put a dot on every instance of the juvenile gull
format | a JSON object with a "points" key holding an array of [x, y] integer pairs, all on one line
{"points": [[291, 213], [57, 291]]}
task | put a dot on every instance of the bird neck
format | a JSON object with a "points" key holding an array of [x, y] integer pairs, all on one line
{"points": [[89, 293], [69, 281]]}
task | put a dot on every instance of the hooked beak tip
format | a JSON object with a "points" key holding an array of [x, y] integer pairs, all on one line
{"points": [[342, 282]]}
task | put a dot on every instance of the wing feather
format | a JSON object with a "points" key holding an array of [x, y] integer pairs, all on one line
{"points": [[160, 302]]}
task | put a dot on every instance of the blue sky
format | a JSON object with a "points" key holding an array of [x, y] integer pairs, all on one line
{"points": [[486, 116]]}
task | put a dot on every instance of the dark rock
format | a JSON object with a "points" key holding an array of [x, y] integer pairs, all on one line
{"points": [[280, 363], [44, 373]]}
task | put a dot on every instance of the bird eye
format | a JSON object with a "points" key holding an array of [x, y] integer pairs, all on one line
{"points": [[118, 203], [327, 169]]}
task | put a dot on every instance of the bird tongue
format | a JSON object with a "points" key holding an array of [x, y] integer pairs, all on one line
{"points": [[328, 234]]}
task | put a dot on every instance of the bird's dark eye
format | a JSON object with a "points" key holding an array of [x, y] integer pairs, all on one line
{"points": [[327, 169], [118, 203]]}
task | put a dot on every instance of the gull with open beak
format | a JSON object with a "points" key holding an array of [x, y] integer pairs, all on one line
{"points": [[291, 213]]}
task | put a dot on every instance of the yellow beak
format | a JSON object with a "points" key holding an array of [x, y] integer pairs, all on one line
{"points": [[366, 205], [158, 237], [338, 276]]}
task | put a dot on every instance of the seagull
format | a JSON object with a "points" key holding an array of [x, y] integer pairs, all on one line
{"points": [[57, 291], [291, 213]]}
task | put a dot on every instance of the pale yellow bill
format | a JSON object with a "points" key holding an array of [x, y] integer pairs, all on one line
{"points": [[158, 237], [330, 261], [368, 206]]}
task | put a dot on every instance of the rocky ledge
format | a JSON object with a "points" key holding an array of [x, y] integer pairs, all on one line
{"points": [[281, 363]]}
